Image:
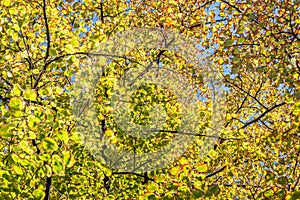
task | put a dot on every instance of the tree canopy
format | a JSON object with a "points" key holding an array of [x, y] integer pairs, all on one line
{"points": [[254, 148]]}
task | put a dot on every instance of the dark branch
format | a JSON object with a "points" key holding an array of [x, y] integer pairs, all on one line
{"points": [[101, 12], [240, 88], [236, 45], [38, 151], [146, 178], [48, 45], [262, 115], [206, 23], [233, 6], [48, 186], [194, 134], [216, 172], [47, 30]]}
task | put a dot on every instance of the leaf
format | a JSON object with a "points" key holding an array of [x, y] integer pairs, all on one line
{"points": [[75, 42], [5, 131], [281, 193], [174, 171], [49, 144], [16, 103], [33, 122], [48, 170], [212, 190], [251, 16], [17, 170], [296, 195], [109, 133], [269, 193], [197, 194], [63, 136], [6, 2], [57, 165], [68, 159], [160, 179], [52, 52], [198, 184], [235, 60], [16, 91], [241, 40], [30, 95], [15, 157], [282, 181], [152, 187], [228, 43], [38, 194], [202, 168], [296, 108]]}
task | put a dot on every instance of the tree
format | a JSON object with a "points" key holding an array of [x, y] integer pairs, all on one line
{"points": [[255, 47]]}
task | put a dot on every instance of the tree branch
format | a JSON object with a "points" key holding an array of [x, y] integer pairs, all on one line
{"points": [[101, 12], [48, 45], [248, 93], [47, 30], [216, 172], [206, 23], [145, 175], [48, 186], [195, 134], [262, 115]]}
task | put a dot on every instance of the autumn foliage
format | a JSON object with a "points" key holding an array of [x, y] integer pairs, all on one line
{"points": [[254, 45]]}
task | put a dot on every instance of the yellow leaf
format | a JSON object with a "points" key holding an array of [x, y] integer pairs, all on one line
{"points": [[17, 169], [169, 10], [6, 2], [75, 42], [222, 6]]}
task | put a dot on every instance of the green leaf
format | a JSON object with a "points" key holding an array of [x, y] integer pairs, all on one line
{"points": [[68, 159], [296, 195], [235, 60], [228, 43], [202, 168], [197, 194], [241, 40], [270, 176], [16, 103], [296, 108], [212, 190], [251, 16], [16, 91], [63, 136], [38, 194], [44, 157], [282, 181], [15, 36], [152, 187], [49, 144], [160, 178], [52, 52], [33, 122], [5, 131], [76, 137], [48, 170], [268, 193], [30, 95], [57, 165], [281, 193]]}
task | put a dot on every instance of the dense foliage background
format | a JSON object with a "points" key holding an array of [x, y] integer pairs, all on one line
{"points": [[254, 44]]}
